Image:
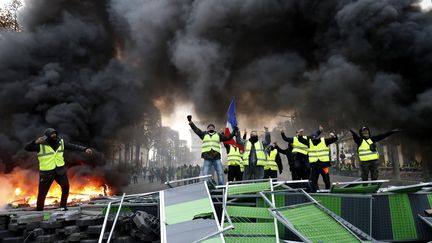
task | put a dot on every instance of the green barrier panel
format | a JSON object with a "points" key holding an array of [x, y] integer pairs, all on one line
{"points": [[250, 240], [402, 219], [186, 211], [249, 212], [331, 202], [253, 228], [357, 189], [261, 204], [114, 209], [248, 188], [280, 202], [316, 225]]}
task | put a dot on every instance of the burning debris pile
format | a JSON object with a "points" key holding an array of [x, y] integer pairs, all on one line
{"points": [[21, 188], [137, 221]]}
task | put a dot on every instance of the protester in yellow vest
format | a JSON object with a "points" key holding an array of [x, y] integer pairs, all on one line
{"points": [[50, 149], [274, 163], [300, 168], [254, 156], [368, 151], [210, 150], [234, 162], [319, 158]]}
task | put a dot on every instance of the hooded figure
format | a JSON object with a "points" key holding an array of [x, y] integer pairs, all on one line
{"points": [[368, 152], [50, 149], [274, 163], [254, 157], [300, 168], [319, 158]]}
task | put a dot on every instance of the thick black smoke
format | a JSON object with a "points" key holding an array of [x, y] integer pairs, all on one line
{"points": [[341, 63]]}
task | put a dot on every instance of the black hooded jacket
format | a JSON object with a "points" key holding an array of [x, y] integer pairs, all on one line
{"points": [[277, 159], [358, 138], [33, 147], [316, 140]]}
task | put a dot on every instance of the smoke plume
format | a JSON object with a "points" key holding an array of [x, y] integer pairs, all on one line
{"points": [[91, 68]]}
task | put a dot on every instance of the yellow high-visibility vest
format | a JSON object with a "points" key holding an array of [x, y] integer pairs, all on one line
{"points": [[271, 161], [260, 154], [298, 147], [211, 142], [365, 153], [319, 152], [234, 157], [50, 159]]}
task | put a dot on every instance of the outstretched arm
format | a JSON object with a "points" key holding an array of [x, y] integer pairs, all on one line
{"points": [[226, 138], [32, 147], [197, 131], [303, 140], [280, 150], [356, 137], [285, 138], [333, 138], [74, 147], [380, 137], [267, 139]]}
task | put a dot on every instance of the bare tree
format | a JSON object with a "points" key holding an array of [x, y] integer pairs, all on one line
{"points": [[8, 16]]}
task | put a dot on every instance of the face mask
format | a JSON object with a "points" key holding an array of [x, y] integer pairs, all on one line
{"points": [[365, 134], [254, 138], [211, 131]]}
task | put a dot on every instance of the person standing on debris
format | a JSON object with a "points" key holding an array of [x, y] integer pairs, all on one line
{"points": [[210, 150], [319, 158], [50, 149], [254, 156], [301, 167], [274, 163], [368, 152], [234, 161]]}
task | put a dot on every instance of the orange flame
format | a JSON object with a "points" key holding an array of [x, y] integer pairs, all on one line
{"points": [[21, 187]]}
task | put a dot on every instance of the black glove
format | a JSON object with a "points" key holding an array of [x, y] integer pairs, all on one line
{"points": [[226, 171], [235, 129], [280, 172], [189, 117]]}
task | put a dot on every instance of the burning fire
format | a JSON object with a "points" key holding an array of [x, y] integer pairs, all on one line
{"points": [[23, 188]]}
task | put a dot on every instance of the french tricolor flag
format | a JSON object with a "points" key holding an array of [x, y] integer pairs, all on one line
{"points": [[231, 123]]}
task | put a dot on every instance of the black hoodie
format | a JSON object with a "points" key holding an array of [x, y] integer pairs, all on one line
{"points": [[33, 147], [358, 138]]}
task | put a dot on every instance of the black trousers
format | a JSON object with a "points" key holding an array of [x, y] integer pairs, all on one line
{"points": [[318, 170], [301, 170], [270, 174], [46, 178], [234, 173], [253, 172]]}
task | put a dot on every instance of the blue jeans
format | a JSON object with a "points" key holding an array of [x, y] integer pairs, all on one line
{"points": [[218, 167]]}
